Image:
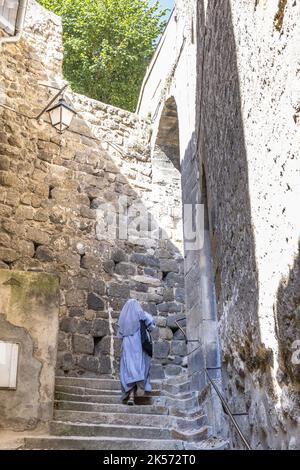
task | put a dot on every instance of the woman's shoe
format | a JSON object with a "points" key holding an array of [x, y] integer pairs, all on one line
{"points": [[130, 401]]}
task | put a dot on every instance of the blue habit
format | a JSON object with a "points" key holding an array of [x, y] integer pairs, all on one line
{"points": [[135, 362]]}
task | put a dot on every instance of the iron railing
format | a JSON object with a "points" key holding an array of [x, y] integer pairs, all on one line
{"points": [[225, 405]]}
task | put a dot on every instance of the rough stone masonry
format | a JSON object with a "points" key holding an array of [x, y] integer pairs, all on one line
{"points": [[58, 192]]}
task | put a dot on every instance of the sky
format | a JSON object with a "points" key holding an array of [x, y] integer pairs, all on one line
{"points": [[167, 4]]}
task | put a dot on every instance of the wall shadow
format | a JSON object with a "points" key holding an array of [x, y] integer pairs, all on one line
{"points": [[222, 166], [288, 335]]}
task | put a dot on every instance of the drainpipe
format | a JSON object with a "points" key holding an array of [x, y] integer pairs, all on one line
{"points": [[19, 24]]}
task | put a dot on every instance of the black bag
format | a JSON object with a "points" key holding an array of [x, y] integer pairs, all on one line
{"points": [[146, 339]]}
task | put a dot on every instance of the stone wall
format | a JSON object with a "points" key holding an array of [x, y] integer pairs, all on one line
{"points": [[249, 110], [62, 201], [29, 308], [169, 95]]}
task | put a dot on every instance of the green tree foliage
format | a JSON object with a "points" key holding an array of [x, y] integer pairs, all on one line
{"points": [[108, 45]]}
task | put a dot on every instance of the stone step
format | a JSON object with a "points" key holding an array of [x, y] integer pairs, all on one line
{"points": [[94, 391], [109, 408], [131, 419], [192, 435], [187, 424], [177, 389], [86, 391], [179, 396], [106, 399], [186, 404], [103, 443], [100, 384], [59, 428], [212, 443], [177, 380]]}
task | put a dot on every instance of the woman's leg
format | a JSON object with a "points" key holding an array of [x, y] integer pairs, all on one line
{"points": [[140, 389], [130, 400]]}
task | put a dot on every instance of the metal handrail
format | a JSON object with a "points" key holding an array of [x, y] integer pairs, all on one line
{"points": [[228, 411], [222, 399]]}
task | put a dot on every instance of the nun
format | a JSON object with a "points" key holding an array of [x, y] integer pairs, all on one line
{"points": [[135, 362]]}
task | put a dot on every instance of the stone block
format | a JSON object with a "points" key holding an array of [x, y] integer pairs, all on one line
{"points": [[180, 295], [162, 334], [38, 236], [89, 363], [145, 260], [63, 341], [151, 272], [139, 287], [179, 348], [9, 197], [173, 318], [169, 307], [75, 298], [173, 369], [76, 311], [117, 290], [157, 372], [148, 280], [125, 269], [174, 280], [24, 213], [149, 307], [118, 256], [8, 255], [8, 179], [100, 328], [83, 344], [65, 361], [25, 248], [90, 315], [109, 266], [4, 163], [105, 365], [178, 335], [98, 286], [68, 325], [95, 302], [168, 295], [169, 265], [84, 327], [44, 254], [82, 283], [161, 349], [103, 346]]}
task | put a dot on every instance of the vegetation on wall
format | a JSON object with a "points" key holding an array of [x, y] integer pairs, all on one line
{"points": [[108, 45], [278, 20]]}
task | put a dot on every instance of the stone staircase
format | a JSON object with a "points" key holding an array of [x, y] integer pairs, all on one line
{"points": [[89, 415]]}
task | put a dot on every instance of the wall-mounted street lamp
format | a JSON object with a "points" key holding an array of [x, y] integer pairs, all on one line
{"points": [[61, 115]]}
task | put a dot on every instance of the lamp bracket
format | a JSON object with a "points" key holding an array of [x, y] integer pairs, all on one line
{"points": [[51, 101]]}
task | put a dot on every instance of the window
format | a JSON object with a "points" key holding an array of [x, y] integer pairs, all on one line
{"points": [[9, 353]]}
